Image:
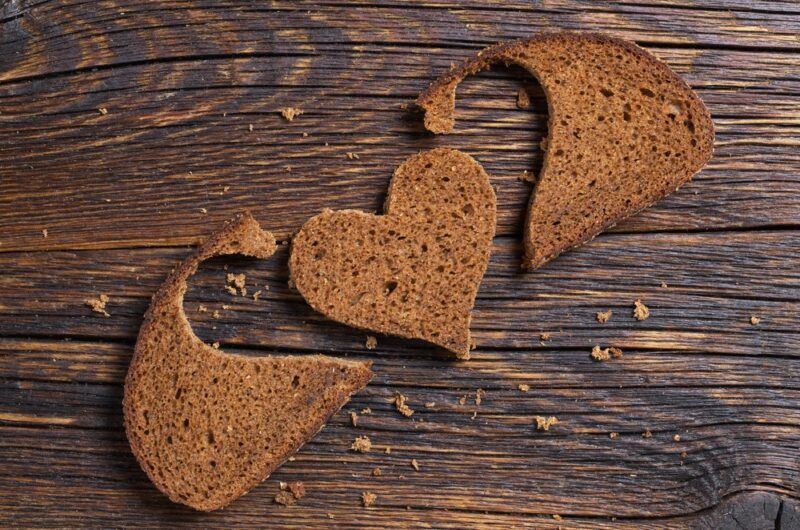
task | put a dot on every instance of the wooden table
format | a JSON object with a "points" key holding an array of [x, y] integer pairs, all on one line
{"points": [[129, 129]]}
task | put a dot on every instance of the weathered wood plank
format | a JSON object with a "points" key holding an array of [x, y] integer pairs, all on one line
{"points": [[753, 274]]}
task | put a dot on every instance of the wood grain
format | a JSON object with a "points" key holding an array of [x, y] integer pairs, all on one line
{"points": [[122, 195]]}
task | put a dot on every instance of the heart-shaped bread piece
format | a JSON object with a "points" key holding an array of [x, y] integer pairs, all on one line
{"points": [[413, 272], [207, 426], [624, 131]]}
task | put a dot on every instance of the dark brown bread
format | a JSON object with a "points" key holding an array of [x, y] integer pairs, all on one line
{"points": [[413, 272], [624, 131], [207, 426]]}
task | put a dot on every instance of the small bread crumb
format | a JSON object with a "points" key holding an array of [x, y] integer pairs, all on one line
{"points": [[523, 387], [368, 499], [354, 418], [203, 210], [290, 113], [462, 400], [371, 343], [236, 281], [754, 320], [544, 336], [98, 304], [600, 354], [351, 156], [556, 517], [361, 444], [640, 311], [44, 233], [103, 111], [603, 316], [400, 405], [523, 99], [647, 434], [388, 450], [203, 309], [298, 489], [376, 472], [613, 435], [256, 295], [479, 395], [664, 285], [250, 127], [285, 498], [366, 410], [544, 424], [415, 464], [430, 404], [215, 314], [473, 344], [677, 437], [215, 345]]}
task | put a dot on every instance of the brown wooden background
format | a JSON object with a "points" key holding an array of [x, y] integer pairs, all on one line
{"points": [[121, 197]]}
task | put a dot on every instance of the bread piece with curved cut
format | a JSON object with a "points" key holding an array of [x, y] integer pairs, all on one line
{"points": [[624, 131], [414, 271], [206, 426]]}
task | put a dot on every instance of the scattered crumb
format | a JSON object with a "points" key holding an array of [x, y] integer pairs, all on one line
{"points": [[98, 305], [103, 111], [361, 444], [44, 233], [616, 353], [544, 336], [754, 320], [250, 127], [684, 454], [256, 295], [603, 316], [371, 343], [203, 309], [298, 489], [388, 450], [203, 210], [215, 345], [354, 418], [556, 517], [544, 424], [285, 498], [523, 99], [474, 415], [430, 404], [366, 411], [225, 189], [473, 344], [647, 434], [523, 387], [290, 283], [600, 354], [351, 156], [330, 516], [479, 395], [236, 281], [290, 113], [400, 405], [462, 400], [225, 306], [613, 435], [305, 135], [640, 311], [677, 437], [215, 314], [415, 464], [368, 499], [376, 472], [664, 285]]}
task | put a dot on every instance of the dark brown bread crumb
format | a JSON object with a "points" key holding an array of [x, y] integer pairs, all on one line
{"points": [[603, 316], [544, 424], [98, 304], [624, 131], [206, 426], [640, 311], [361, 444], [285, 498], [368, 499], [402, 408], [413, 272]]}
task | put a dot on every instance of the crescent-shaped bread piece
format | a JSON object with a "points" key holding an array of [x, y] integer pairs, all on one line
{"points": [[624, 131], [207, 426]]}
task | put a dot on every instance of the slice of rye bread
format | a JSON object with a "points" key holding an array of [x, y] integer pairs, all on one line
{"points": [[207, 426], [624, 131], [413, 272]]}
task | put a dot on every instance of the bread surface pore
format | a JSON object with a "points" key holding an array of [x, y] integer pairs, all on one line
{"points": [[624, 131], [413, 272], [206, 426]]}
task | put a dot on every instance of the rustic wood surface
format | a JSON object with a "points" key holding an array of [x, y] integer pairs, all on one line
{"points": [[122, 192]]}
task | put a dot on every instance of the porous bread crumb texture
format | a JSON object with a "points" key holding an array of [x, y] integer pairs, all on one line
{"points": [[413, 272], [640, 311], [290, 113], [623, 132], [362, 444], [98, 304], [402, 407], [544, 423], [207, 426], [603, 316]]}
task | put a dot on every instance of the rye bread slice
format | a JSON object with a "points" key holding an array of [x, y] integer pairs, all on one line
{"points": [[624, 131], [413, 272], [207, 426]]}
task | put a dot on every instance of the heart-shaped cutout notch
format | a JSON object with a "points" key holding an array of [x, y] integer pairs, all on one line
{"points": [[413, 272]]}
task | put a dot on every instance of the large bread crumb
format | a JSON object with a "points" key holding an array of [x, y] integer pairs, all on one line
{"points": [[361, 444], [640, 311]]}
